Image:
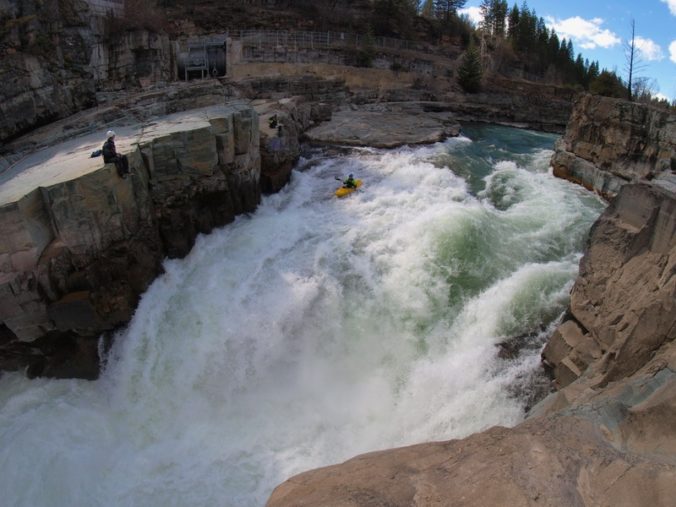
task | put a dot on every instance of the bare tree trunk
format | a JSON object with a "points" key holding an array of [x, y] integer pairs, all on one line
{"points": [[631, 48]]}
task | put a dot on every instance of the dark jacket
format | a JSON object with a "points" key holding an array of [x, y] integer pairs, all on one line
{"points": [[350, 183], [108, 151]]}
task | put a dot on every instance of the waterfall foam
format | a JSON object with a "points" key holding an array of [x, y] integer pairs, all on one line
{"points": [[314, 330]]}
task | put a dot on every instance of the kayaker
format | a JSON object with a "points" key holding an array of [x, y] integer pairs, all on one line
{"points": [[349, 182]]}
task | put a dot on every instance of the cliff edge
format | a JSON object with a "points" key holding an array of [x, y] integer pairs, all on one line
{"points": [[611, 142], [81, 244]]}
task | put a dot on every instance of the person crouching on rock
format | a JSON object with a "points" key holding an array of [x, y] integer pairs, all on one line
{"points": [[110, 155]]}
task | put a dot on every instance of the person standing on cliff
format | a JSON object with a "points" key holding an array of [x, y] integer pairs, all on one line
{"points": [[110, 155]]}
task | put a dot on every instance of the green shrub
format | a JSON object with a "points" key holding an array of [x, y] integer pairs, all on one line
{"points": [[469, 72]]}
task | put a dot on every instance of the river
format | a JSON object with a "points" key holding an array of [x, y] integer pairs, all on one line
{"points": [[316, 329]]}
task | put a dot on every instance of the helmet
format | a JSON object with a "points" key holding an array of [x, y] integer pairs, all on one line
{"points": [[350, 176], [110, 133]]}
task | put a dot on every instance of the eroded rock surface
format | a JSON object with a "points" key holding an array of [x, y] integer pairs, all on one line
{"points": [[281, 124], [623, 304]]}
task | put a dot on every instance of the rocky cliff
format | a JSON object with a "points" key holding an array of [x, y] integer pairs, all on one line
{"points": [[606, 438], [81, 244], [611, 142], [55, 55], [623, 305], [58, 57]]}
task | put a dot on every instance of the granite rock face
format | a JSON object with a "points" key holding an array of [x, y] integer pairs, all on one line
{"points": [[610, 142], [281, 124], [80, 250]]}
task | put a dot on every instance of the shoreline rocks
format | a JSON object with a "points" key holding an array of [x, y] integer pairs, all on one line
{"points": [[623, 303]]}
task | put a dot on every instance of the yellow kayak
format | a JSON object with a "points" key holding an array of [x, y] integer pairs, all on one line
{"points": [[342, 191]]}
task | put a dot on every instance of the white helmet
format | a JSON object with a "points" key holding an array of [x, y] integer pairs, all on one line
{"points": [[110, 133]]}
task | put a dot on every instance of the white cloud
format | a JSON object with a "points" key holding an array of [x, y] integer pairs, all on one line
{"points": [[661, 96], [672, 5], [474, 14], [586, 32], [672, 51], [648, 49]]}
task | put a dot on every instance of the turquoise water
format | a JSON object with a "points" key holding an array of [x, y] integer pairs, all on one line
{"points": [[316, 329]]}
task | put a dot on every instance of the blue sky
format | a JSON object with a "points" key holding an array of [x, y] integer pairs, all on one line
{"points": [[600, 29]]}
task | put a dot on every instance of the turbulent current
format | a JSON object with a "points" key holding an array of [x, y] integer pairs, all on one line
{"points": [[316, 329]]}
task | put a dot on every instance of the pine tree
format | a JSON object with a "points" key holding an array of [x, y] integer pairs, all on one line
{"points": [[427, 10], [486, 9], [469, 72], [500, 14], [607, 83], [494, 13], [513, 22], [445, 8]]}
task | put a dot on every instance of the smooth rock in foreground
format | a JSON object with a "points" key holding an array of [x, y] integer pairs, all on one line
{"points": [[616, 450]]}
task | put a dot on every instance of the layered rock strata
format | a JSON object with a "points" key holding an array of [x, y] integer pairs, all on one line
{"points": [[611, 142], [81, 244], [515, 103], [281, 125]]}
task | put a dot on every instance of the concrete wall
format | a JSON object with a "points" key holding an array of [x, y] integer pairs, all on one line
{"points": [[106, 7]]}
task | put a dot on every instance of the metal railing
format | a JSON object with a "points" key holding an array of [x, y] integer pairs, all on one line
{"points": [[323, 40]]}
